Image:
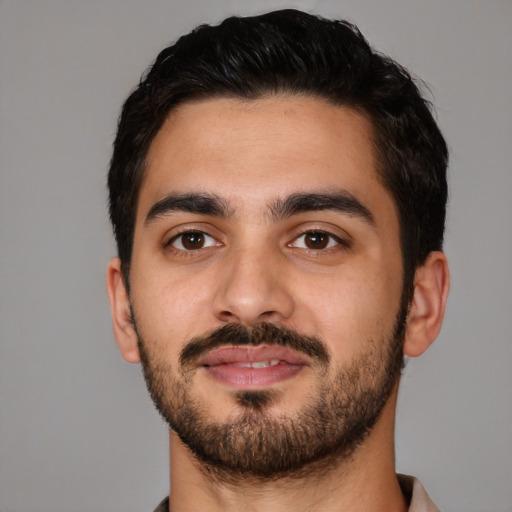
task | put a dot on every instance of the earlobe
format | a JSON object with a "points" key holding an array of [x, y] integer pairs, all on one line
{"points": [[124, 330], [426, 312]]}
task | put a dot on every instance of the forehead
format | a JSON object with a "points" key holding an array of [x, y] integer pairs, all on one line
{"points": [[252, 152]]}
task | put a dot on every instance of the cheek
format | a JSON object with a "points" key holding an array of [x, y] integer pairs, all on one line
{"points": [[170, 309], [350, 309]]}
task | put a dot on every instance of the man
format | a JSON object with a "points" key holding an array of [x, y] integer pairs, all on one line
{"points": [[278, 194]]}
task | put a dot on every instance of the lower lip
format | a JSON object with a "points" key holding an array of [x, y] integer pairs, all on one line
{"points": [[253, 378]]}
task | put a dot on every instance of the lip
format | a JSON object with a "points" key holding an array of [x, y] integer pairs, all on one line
{"points": [[232, 365]]}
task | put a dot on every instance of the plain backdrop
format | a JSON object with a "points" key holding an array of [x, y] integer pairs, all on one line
{"points": [[77, 431]]}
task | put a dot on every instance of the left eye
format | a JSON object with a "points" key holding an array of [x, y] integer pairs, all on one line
{"points": [[316, 240], [192, 241]]}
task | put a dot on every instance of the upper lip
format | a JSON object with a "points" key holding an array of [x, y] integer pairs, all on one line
{"points": [[251, 354]]}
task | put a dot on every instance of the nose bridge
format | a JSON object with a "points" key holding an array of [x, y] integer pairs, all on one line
{"points": [[252, 287]]}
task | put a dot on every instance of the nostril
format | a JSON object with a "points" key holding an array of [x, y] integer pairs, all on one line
{"points": [[250, 301], [227, 315]]}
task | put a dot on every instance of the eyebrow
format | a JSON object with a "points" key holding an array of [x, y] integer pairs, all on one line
{"points": [[341, 201], [210, 204], [200, 203]]}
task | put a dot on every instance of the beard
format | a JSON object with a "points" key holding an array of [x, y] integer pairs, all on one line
{"points": [[257, 445]]}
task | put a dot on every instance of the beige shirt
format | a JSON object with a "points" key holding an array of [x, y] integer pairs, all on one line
{"points": [[414, 493]]}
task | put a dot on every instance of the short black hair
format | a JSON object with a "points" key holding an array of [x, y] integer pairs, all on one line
{"points": [[293, 53]]}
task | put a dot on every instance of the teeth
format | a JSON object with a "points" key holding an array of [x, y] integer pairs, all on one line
{"points": [[260, 364]]}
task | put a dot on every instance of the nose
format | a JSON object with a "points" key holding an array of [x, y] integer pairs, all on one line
{"points": [[252, 288]]}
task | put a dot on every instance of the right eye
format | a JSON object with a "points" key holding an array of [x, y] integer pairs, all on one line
{"points": [[192, 241]]}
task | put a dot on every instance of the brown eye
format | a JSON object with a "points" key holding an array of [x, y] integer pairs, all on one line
{"points": [[316, 240], [192, 241]]}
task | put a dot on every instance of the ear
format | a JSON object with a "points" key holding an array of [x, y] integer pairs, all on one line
{"points": [[426, 312], [124, 330]]}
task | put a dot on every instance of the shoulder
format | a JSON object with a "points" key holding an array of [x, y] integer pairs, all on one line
{"points": [[164, 506], [419, 500]]}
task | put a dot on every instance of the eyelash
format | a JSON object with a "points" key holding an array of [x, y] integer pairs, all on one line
{"points": [[183, 234], [334, 242]]}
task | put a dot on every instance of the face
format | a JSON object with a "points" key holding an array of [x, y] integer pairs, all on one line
{"points": [[266, 281]]}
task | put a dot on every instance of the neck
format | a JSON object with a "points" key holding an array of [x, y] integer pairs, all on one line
{"points": [[364, 482]]}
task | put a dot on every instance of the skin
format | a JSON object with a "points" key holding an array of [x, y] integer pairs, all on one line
{"points": [[257, 268]]}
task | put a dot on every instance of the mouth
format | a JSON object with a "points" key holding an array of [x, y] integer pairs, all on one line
{"points": [[252, 367]]}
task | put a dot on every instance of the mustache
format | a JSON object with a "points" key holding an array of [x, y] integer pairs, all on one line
{"points": [[264, 333]]}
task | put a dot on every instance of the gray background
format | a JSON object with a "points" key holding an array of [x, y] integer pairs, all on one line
{"points": [[77, 432]]}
